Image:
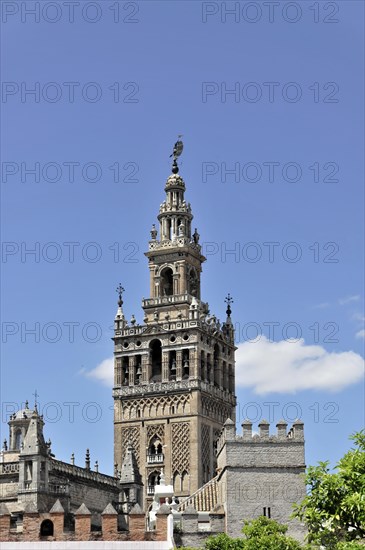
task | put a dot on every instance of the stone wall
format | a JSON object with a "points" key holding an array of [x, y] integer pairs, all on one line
{"points": [[261, 474]]}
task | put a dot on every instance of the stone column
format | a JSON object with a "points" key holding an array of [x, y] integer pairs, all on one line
{"points": [[193, 364], [175, 284], [132, 369], [152, 281], [165, 366], [146, 368], [183, 285], [118, 372], [178, 365]]}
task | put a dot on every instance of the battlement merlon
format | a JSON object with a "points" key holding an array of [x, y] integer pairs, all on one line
{"points": [[262, 450]]}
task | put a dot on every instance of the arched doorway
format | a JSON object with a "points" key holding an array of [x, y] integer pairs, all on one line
{"points": [[47, 528]]}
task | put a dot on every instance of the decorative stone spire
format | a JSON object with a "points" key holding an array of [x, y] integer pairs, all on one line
{"points": [[119, 322], [35, 400], [130, 472], [87, 459]]}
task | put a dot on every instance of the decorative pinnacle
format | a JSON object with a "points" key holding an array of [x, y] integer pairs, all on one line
{"points": [[229, 300], [120, 291], [87, 460], [35, 400]]}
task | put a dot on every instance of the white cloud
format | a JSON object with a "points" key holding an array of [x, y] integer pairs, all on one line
{"points": [[323, 305], [360, 334], [279, 367], [103, 372], [349, 299], [289, 366]]}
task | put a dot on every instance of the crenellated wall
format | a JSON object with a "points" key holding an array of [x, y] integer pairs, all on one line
{"points": [[32, 528], [260, 474]]}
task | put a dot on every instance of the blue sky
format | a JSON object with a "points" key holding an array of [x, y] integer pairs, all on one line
{"points": [[110, 98]]}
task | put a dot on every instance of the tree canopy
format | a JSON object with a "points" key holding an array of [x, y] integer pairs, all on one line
{"points": [[334, 508]]}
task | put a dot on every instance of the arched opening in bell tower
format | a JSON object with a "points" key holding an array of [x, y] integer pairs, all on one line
{"points": [[167, 283], [193, 283], [156, 361], [18, 439]]}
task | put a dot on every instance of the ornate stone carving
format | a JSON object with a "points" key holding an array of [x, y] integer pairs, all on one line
{"points": [[154, 407], [205, 445], [131, 435], [180, 447], [157, 430]]}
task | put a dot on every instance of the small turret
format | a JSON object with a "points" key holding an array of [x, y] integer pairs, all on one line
{"points": [[119, 321], [130, 478]]}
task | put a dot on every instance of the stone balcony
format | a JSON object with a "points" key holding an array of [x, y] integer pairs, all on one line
{"points": [[9, 468], [155, 459], [166, 300]]}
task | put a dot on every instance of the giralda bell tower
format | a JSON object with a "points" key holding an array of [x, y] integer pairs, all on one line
{"points": [[174, 375]]}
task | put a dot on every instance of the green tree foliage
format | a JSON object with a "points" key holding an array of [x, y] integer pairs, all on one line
{"points": [[334, 508], [260, 534]]}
